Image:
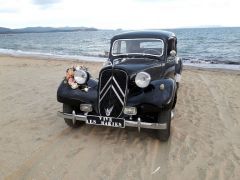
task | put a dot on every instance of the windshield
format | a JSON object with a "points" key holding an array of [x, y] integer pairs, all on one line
{"points": [[152, 47]]}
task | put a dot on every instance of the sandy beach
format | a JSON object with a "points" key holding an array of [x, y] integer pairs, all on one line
{"points": [[36, 144]]}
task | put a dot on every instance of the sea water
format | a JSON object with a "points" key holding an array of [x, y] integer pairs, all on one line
{"points": [[196, 46]]}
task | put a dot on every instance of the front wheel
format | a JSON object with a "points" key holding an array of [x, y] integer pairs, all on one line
{"points": [[68, 109], [164, 117]]}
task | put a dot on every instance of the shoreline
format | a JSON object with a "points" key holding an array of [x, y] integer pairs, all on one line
{"points": [[46, 56], [213, 67], [47, 59], [85, 59]]}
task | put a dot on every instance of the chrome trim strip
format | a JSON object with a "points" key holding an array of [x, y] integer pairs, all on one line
{"points": [[156, 39], [112, 77], [127, 123], [146, 125], [99, 99], [118, 86], [139, 123], [117, 95], [69, 116], [73, 117], [105, 93]]}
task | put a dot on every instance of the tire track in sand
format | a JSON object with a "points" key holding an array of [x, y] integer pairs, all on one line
{"points": [[37, 156]]}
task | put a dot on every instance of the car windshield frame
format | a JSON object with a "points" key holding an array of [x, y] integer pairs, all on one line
{"points": [[142, 54]]}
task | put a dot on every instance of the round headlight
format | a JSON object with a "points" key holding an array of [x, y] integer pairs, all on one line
{"points": [[142, 79], [80, 76]]}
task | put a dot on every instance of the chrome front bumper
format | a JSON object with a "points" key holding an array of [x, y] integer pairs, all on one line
{"points": [[137, 124]]}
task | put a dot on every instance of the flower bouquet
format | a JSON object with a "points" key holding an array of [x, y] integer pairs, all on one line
{"points": [[69, 78]]}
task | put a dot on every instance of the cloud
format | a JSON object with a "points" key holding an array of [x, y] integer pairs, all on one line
{"points": [[46, 3], [112, 14], [155, 1], [8, 10]]}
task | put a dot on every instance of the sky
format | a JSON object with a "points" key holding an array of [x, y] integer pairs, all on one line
{"points": [[125, 14]]}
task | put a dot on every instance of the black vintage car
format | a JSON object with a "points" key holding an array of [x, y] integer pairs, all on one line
{"points": [[137, 86]]}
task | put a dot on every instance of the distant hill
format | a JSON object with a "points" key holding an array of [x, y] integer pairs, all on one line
{"points": [[4, 30], [44, 29]]}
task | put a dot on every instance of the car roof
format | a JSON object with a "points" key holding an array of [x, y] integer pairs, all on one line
{"points": [[164, 35]]}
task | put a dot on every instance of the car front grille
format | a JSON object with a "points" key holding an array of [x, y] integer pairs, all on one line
{"points": [[112, 92]]}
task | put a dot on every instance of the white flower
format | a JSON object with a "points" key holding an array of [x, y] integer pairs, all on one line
{"points": [[74, 85], [77, 68]]}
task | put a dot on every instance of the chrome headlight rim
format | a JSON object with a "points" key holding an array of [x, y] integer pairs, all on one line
{"points": [[81, 76], [142, 79]]}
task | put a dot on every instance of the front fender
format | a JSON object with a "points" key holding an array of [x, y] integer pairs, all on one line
{"points": [[154, 96], [67, 95]]}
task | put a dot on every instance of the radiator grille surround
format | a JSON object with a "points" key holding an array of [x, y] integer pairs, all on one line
{"points": [[112, 92]]}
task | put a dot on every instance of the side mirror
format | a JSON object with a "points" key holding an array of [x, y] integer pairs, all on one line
{"points": [[173, 57], [107, 63], [106, 53], [173, 53]]}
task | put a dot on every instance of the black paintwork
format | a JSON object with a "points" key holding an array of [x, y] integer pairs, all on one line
{"points": [[147, 100], [164, 35], [74, 97]]}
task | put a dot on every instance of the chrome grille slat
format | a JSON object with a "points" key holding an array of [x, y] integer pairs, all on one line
{"points": [[104, 93], [118, 86], [105, 85]]}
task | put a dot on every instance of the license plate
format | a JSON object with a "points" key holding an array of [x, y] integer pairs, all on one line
{"points": [[106, 121]]}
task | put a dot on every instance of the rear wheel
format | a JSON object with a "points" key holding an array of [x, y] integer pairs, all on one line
{"points": [[68, 109], [164, 117]]}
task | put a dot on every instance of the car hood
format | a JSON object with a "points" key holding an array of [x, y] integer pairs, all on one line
{"points": [[135, 65]]}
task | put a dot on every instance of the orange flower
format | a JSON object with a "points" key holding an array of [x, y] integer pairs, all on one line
{"points": [[69, 73]]}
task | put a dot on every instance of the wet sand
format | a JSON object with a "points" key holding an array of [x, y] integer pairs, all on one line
{"points": [[36, 144]]}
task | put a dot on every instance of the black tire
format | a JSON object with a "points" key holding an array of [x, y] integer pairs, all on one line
{"points": [[164, 117], [175, 101], [178, 84], [68, 109]]}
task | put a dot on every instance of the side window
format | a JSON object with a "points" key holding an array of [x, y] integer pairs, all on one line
{"points": [[115, 49], [119, 47], [123, 47]]}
